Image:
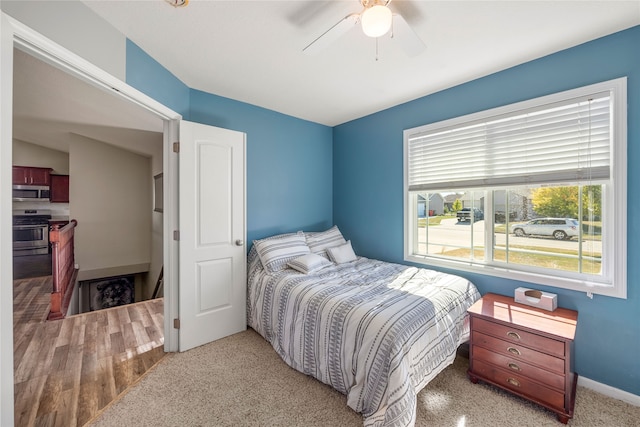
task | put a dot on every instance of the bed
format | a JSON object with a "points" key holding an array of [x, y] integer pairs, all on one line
{"points": [[375, 331]]}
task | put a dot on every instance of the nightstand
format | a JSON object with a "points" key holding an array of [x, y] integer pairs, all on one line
{"points": [[524, 350]]}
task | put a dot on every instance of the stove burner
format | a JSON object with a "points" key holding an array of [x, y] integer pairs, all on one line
{"points": [[31, 220], [31, 217]]}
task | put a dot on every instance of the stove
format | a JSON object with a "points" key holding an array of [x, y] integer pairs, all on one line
{"points": [[31, 232]]}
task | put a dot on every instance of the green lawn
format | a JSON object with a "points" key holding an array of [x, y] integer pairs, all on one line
{"points": [[546, 260], [433, 220]]}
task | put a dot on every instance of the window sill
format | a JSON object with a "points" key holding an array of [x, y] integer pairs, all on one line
{"points": [[589, 287]]}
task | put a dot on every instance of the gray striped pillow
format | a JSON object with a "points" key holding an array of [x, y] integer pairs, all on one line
{"points": [[319, 242], [309, 263], [275, 252], [342, 254]]}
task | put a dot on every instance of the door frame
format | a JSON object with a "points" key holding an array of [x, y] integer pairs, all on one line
{"points": [[14, 34]]}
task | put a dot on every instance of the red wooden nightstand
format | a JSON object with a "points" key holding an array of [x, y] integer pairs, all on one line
{"points": [[524, 350]]}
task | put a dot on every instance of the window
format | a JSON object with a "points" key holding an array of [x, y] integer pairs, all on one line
{"points": [[534, 191]]}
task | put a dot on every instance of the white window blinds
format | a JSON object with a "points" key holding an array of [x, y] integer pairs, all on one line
{"points": [[561, 142]]}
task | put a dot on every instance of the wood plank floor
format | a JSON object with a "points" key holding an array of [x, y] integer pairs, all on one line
{"points": [[67, 371]]}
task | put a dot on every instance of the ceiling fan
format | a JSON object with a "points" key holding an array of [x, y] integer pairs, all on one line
{"points": [[376, 20]]}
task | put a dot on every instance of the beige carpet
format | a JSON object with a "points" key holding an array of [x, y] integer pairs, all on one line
{"points": [[241, 381]]}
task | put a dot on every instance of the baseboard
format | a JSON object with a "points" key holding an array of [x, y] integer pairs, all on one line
{"points": [[607, 390]]}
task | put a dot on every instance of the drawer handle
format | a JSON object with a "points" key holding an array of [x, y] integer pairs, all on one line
{"points": [[513, 350], [513, 382], [513, 335], [514, 366]]}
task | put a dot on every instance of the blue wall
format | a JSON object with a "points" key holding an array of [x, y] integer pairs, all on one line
{"points": [[149, 77], [368, 187], [289, 161], [301, 175], [289, 170]]}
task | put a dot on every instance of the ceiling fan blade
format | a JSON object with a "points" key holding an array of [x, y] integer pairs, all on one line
{"points": [[332, 34], [404, 35]]}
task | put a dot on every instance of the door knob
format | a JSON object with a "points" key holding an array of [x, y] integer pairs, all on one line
{"points": [[239, 242]]}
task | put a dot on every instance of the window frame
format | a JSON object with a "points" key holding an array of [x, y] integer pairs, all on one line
{"points": [[614, 267]]}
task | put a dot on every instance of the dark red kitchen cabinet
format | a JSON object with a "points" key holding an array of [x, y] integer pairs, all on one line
{"points": [[59, 189], [24, 175]]}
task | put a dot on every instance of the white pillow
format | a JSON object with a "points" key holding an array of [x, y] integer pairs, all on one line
{"points": [[274, 253], [341, 254], [319, 242], [309, 263]]}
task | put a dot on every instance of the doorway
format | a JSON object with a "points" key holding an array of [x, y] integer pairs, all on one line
{"points": [[69, 128], [17, 36]]}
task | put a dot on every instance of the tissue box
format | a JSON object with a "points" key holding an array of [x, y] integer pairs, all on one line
{"points": [[544, 300]]}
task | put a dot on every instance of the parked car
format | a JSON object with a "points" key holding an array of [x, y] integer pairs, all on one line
{"points": [[464, 214], [559, 228]]}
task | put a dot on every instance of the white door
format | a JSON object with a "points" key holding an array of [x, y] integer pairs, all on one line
{"points": [[212, 288]]}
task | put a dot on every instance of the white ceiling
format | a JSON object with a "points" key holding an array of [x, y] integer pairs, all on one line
{"points": [[49, 104], [251, 51]]}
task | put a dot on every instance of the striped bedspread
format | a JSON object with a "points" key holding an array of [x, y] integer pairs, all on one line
{"points": [[377, 332]]}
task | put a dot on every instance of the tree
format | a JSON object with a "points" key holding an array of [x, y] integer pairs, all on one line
{"points": [[563, 202], [456, 206], [592, 202]]}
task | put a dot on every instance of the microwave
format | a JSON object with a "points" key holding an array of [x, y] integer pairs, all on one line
{"points": [[30, 193]]}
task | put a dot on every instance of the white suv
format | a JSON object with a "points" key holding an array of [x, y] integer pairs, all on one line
{"points": [[559, 228]]}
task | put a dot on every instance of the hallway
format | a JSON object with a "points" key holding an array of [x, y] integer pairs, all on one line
{"points": [[67, 371]]}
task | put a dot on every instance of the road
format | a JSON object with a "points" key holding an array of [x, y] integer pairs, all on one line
{"points": [[451, 234]]}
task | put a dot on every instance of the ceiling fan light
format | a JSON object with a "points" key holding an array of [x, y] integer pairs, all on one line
{"points": [[178, 3], [376, 20]]}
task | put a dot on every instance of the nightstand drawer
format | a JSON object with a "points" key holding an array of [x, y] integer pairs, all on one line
{"points": [[518, 351], [519, 367], [519, 384], [518, 336]]}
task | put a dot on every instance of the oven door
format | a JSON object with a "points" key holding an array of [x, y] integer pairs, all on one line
{"points": [[30, 239]]}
